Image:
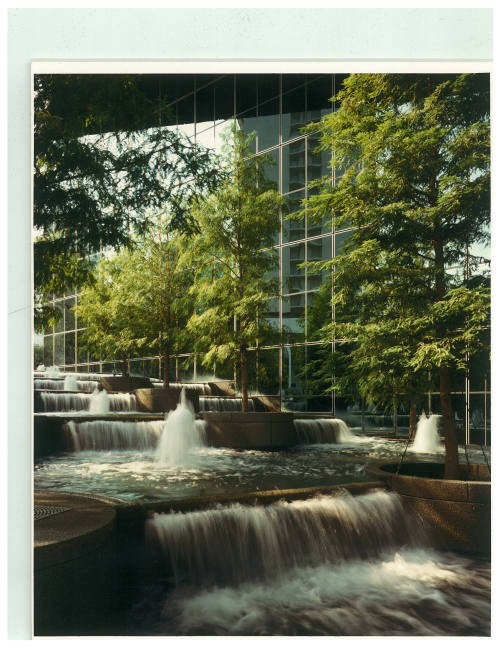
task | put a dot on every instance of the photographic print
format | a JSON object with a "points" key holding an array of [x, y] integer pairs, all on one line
{"points": [[261, 367]]}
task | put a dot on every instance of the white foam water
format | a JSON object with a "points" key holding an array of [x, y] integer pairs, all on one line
{"points": [[427, 439], [70, 383], [99, 402], [409, 592], [182, 435], [347, 566], [96, 403]]}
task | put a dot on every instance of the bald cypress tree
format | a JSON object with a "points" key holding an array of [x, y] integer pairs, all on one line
{"points": [[414, 150]]}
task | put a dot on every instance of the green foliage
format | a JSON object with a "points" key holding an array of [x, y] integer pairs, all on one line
{"points": [[231, 285], [416, 185], [104, 161], [138, 302]]}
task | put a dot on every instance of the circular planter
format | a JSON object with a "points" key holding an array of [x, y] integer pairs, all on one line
{"points": [[456, 512]]}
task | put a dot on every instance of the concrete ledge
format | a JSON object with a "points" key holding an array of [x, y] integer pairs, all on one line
{"points": [[79, 530], [75, 578], [249, 430], [139, 511], [125, 383], [159, 399]]}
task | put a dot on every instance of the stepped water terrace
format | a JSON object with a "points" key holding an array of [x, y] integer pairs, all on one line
{"points": [[150, 459], [310, 560]]}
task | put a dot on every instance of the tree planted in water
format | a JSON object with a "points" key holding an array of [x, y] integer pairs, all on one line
{"points": [[412, 164], [233, 263]]}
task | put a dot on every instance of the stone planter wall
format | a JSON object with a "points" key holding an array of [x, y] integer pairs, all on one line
{"points": [[249, 430], [162, 400], [125, 383], [457, 512]]}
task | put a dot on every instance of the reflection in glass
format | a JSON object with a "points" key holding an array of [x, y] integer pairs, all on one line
{"points": [[294, 166], [293, 380], [319, 249], [293, 229], [293, 313], [69, 347], [59, 349], [293, 274], [82, 354], [267, 371], [69, 314], [48, 351], [293, 106]]}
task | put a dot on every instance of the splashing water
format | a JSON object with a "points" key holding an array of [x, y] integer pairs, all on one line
{"points": [[181, 435], [427, 439], [53, 371], [99, 402], [70, 383]]}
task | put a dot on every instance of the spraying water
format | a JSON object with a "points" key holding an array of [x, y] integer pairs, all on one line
{"points": [[181, 435], [99, 402], [427, 439], [70, 383], [53, 371]]}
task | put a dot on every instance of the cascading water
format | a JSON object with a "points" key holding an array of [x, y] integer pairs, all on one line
{"points": [[427, 439], [214, 403], [346, 566], [244, 543], [53, 371], [182, 435], [106, 435], [98, 402], [323, 430]]}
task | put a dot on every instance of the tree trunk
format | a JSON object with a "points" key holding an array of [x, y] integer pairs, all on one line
{"points": [[244, 378], [166, 370], [450, 432], [413, 421], [124, 367]]}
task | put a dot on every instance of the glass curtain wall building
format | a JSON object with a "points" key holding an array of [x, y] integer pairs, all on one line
{"points": [[276, 107]]}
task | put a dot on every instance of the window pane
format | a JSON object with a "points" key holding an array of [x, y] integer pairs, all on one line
{"points": [[48, 354], [319, 249], [69, 346], [82, 355], [246, 92], [294, 105], [293, 275], [293, 378], [271, 168], [293, 229], [69, 314], [294, 166], [293, 318], [59, 349], [268, 381], [59, 326]]}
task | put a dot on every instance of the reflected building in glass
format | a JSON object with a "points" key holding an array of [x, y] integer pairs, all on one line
{"points": [[276, 107]]}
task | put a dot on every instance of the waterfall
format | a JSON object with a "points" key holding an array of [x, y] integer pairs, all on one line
{"points": [[427, 439], [105, 435], [224, 404], [182, 435], [99, 402], [51, 385], [203, 388], [322, 430], [243, 543]]}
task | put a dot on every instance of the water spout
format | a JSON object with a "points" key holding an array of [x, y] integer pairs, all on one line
{"points": [[427, 439], [70, 383], [182, 435], [99, 402]]}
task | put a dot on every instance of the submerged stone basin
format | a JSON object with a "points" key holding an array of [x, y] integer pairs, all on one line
{"points": [[457, 512]]}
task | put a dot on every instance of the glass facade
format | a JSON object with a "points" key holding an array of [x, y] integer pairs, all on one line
{"points": [[276, 107]]}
